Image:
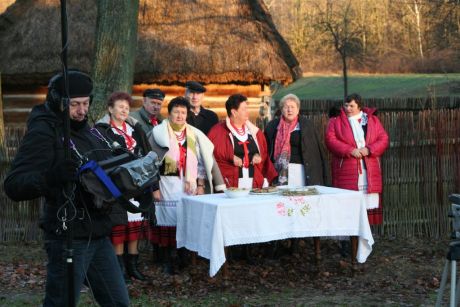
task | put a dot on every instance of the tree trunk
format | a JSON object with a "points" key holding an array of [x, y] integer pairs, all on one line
{"points": [[345, 74], [116, 45], [419, 30]]}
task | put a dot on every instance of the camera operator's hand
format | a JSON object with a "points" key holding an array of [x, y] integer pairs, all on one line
{"points": [[64, 171]]}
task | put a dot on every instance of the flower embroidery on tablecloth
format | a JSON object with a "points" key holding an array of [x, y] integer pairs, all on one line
{"points": [[294, 206]]}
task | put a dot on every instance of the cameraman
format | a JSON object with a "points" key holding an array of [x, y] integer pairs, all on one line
{"points": [[40, 169]]}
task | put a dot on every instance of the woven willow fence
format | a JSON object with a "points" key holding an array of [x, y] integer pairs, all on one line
{"points": [[420, 169]]}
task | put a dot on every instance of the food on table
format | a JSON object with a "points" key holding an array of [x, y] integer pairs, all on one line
{"points": [[236, 189], [264, 190], [300, 192]]}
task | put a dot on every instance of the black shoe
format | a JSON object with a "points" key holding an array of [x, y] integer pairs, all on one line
{"points": [[157, 254], [131, 267], [121, 262]]}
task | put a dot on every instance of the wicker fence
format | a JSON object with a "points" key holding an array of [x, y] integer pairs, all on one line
{"points": [[420, 169]]}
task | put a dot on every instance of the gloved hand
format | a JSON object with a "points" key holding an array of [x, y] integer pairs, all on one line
{"points": [[64, 171]]}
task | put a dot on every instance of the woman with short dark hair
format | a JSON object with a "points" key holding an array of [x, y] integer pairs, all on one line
{"points": [[356, 139], [240, 147], [187, 169]]}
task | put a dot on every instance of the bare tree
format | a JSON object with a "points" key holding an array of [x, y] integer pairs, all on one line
{"points": [[116, 44], [338, 22], [414, 8]]}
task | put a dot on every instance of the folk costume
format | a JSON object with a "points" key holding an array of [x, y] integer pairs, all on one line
{"points": [[296, 152], [244, 143], [187, 156], [344, 134], [127, 225]]}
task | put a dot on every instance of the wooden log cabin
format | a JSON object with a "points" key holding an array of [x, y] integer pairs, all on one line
{"points": [[230, 46]]}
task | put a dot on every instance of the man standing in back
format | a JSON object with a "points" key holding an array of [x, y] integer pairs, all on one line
{"points": [[199, 117], [149, 115]]}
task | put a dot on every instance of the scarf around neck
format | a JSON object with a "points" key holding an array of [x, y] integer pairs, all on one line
{"points": [[174, 158], [282, 152], [357, 122]]}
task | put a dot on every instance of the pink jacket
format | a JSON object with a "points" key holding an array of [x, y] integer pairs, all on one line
{"points": [[340, 142]]}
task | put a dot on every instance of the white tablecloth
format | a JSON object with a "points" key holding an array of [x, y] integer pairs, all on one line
{"points": [[208, 223]]}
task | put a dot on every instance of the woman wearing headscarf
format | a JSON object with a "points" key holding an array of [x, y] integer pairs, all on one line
{"points": [[188, 168], [124, 132], [357, 140], [240, 147], [294, 147]]}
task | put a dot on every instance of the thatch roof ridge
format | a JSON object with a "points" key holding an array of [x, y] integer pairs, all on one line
{"points": [[232, 41]]}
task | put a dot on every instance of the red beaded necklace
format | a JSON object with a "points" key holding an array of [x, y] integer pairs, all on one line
{"points": [[180, 137], [241, 131]]}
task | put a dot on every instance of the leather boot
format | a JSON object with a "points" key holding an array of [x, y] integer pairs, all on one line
{"points": [[157, 256], [131, 267], [121, 263], [168, 261]]}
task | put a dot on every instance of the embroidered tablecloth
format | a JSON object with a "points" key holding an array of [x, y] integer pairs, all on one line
{"points": [[208, 223]]}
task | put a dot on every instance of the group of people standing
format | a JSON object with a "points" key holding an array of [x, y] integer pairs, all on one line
{"points": [[198, 155]]}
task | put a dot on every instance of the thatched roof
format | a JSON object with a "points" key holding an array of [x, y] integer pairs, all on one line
{"points": [[213, 41]]}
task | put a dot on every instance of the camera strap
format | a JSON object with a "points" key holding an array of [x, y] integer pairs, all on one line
{"points": [[99, 172]]}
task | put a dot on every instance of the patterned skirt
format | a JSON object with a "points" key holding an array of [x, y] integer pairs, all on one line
{"points": [[127, 233], [375, 216], [164, 236]]}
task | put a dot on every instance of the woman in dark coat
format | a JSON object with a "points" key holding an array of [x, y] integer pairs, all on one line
{"points": [[124, 132], [294, 147]]}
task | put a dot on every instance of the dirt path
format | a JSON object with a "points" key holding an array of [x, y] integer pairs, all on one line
{"points": [[398, 273]]}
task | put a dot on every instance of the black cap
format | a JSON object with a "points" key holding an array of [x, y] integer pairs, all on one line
{"points": [[80, 84], [154, 93], [195, 87]]}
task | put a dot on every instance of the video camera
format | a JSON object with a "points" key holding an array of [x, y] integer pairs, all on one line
{"points": [[455, 214], [121, 178]]}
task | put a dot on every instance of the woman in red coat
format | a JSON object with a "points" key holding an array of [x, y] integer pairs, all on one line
{"points": [[240, 148], [357, 140]]}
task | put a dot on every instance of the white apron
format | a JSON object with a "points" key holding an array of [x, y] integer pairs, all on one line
{"points": [[172, 191]]}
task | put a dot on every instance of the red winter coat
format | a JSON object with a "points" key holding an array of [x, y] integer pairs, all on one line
{"points": [[221, 136], [340, 142]]}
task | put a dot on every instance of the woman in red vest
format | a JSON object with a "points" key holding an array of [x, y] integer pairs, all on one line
{"points": [[240, 147], [357, 140]]}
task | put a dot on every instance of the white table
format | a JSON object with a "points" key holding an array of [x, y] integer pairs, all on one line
{"points": [[208, 223]]}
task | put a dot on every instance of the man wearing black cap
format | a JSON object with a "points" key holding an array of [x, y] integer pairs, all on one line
{"points": [[198, 116], [40, 169], [149, 115]]}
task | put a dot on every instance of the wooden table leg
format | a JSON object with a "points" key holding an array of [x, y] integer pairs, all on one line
{"points": [[193, 256], [354, 252], [317, 244]]}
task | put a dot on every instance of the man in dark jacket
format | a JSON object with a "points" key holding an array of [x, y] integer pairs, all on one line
{"points": [[149, 115], [40, 170], [199, 117]]}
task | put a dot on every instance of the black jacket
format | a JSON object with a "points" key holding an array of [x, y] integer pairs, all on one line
{"points": [[40, 150], [204, 120], [118, 214], [313, 156]]}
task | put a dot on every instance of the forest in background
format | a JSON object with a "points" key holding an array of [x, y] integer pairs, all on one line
{"points": [[384, 36]]}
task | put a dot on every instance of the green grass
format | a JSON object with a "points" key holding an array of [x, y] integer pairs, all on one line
{"points": [[375, 86]]}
